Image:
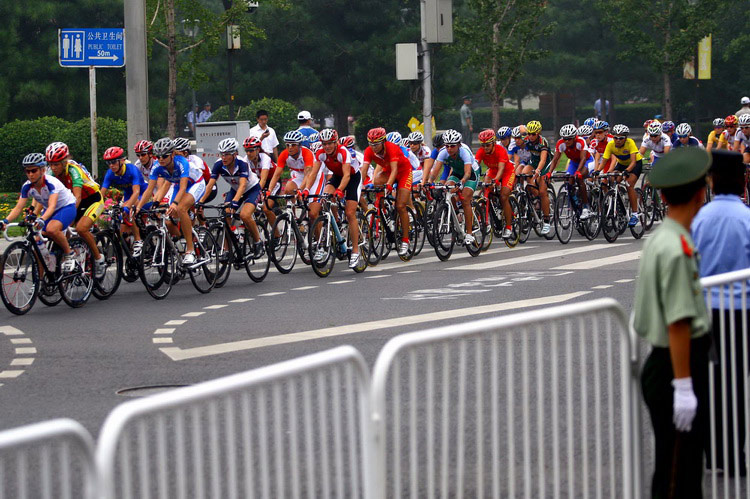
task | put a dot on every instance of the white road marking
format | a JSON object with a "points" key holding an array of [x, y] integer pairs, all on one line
{"points": [[177, 322], [601, 262], [215, 307], [10, 331], [624, 280], [536, 257], [275, 293], [241, 300], [193, 314], [409, 272], [11, 373], [162, 340], [17, 361], [342, 282], [176, 353], [377, 276], [25, 350], [602, 286], [303, 288], [164, 330], [20, 341], [22, 361], [433, 259]]}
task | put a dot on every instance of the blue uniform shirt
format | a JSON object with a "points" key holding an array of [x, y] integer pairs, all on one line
{"points": [[181, 170], [125, 182]]}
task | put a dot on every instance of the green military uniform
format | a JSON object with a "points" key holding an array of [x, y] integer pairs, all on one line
{"points": [[668, 291]]}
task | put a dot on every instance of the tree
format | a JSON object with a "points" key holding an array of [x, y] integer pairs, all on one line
{"points": [[514, 25]]}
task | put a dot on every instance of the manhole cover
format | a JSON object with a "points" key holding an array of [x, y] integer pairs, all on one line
{"points": [[144, 391]]}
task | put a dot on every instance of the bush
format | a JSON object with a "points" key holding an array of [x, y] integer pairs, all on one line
{"points": [[110, 132], [282, 115], [366, 121]]}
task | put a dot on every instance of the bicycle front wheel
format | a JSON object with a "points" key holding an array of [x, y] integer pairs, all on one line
{"points": [[376, 237], [225, 251], [257, 262], [107, 285], [157, 265], [443, 233], [411, 231], [563, 217], [76, 286], [21, 279], [322, 252], [283, 244], [207, 251]]}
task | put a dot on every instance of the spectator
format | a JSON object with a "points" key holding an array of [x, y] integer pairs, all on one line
{"points": [[467, 121], [191, 117], [205, 114], [598, 108], [721, 231], [745, 109], [266, 134], [304, 118]]}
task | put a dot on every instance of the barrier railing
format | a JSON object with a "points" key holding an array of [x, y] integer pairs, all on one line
{"points": [[293, 429], [53, 459], [537, 404]]}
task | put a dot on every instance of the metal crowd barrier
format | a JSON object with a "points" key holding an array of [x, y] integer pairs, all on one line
{"points": [[537, 404], [53, 459], [293, 429]]}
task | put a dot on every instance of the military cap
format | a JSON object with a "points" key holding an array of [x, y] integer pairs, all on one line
{"points": [[722, 158], [680, 167]]}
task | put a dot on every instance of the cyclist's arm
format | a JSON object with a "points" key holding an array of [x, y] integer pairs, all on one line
{"points": [[501, 166], [133, 197], [308, 182], [275, 178], [427, 168], [17, 209], [642, 150], [77, 193], [555, 160], [346, 169], [630, 167], [264, 177], [240, 189], [146, 194], [543, 159], [437, 168], [181, 191], [51, 204], [209, 186], [467, 173]]}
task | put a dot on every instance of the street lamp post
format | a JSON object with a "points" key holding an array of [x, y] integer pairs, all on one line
{"points": [[191, 29]]}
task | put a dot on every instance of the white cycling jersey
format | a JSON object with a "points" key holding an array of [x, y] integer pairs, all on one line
{"points": [[657, 146]]}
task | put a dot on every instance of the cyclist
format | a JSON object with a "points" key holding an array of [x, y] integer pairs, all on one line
{"points": [[586, 132], [521, 156], [437, 144], [54, 205], [298, 158], [421, 151], [345, 182], [717, 135], [668, 127], [183, 187], [684, 134], [657, 141], [574, 147], [539, 149], [464, 171], [730, 123], [260, 162], [504, 135], [244, 189], [89, 203], [391, 166], [499, 171], [599, 144], [143, 149], [126, 177], [742, 138], [622, 155], [61, 146], [182, 148]]}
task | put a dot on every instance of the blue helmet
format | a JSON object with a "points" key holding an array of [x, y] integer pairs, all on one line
{"points": [[667, 126], [394, 137], [504, 132], [590, 122], [601, 125]]}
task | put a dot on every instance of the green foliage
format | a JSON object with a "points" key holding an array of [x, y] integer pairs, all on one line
{"points": [[391, 122], [282, 115], [110, 133]]}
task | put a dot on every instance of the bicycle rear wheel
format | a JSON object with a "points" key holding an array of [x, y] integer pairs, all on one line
{"points": [[363, 245], [515, 233], [76, 286], [593, 225], [410, 231], [284, 247], [563, 217], [481, 212], [21, 281], [524, 217], [610, 228], [639, 228], [376, 235], [257, 264], [443, 233], [207, 251], [322, 251], [157, 265], [419, 228], [552, 200], [108, 246], [225, 249]]}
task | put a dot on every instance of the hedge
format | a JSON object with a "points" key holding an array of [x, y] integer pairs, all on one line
{"points": [[19, 138], [282, 115]]}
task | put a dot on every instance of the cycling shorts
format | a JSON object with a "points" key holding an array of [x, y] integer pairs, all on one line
{"points": [[297, 177], [471, 184], [353, 188], [250, 196], [90, 206], [64, 215], [574, 165], [508, 178], [405, 180], [637, 170], [197, 190]]}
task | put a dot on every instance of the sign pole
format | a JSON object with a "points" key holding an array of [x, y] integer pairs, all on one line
{"points": [[426, 77], [92, 103]]}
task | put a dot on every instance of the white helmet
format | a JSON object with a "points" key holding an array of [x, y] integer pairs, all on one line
{"points": [[683, 130], [415, 138], [517, 133], [620, 129], [654, 128], [585, 130], [228, 145], [181, 144], [744, 120], [451, 137], [394, 137], [568, 131]]}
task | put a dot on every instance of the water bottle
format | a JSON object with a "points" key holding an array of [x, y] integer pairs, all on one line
{"points": [[49, 258], [239, 233], [575, 200]]}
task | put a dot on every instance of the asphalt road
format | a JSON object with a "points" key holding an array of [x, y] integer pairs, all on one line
{"points": [[72, 363]]}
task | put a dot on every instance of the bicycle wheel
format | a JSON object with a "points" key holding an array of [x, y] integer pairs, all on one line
{"points": [[428, 217], [593, 224], [157, 265], [418, 228], [610, 228], [552, 200], [322, 252], [107, 285], [204, 275], [76, 286], [225, 249], [523, 217], [563, 217], [622, 213], [410, 231], [376, 236], [284, 247], [481, 212], [477, 230], [49, 291], [257, 264], [443, 233], [21, 280], [640, 227], [363, 245], [515, 233]]}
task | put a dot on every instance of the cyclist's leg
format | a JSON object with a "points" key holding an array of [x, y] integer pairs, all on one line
{"points": [[56, 226], [403, 198], [631, 180], [467, 193], [88, 211]]}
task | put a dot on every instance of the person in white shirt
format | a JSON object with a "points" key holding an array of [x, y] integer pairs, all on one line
{"points": [[267, 135]]}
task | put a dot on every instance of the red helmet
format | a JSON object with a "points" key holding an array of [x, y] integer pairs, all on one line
{"points": [[56, 151], [376, 135], [730, 120], [347, 141], [486, 136], [251, 142], [114, 153], [144, 146]]}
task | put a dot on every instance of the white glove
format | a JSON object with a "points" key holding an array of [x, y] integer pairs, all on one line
{"points": [[685, 404]]}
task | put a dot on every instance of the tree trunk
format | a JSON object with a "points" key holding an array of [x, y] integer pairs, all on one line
{"points": [[172, 65], [492, 84], [341, 121], [554, 114], [667, 106]]}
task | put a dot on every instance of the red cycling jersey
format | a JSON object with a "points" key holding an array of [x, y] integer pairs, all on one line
{"points": [[574, 153], [336, 161], [303, 160], [600, 146], [493, 160], [390, 153]]}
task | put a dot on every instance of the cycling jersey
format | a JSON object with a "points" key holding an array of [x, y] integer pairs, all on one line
{"points": [[422, 154], [692, 142], [524, 156], [600, 145], [262, 162], [181, 169], [306, 131], [729, 138], [145, 169], [720, 138], [622, 154], [535, 150], [335, 162], [492, 160], [357, 159], [303, 160], [125, 181], [391, 152], [198, 164], [51, 186], [657, 146], [456, 164], [744, 139], [74, 176], [241, 170], [573, 153]]}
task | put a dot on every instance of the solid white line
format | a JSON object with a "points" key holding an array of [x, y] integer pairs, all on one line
{"points": [[18, 341], [377, 276], [602, 286], [433, 259], [625, 280], [536, 257], [22, 361], [10, 330], [342, 282], [601, 262], [11, 373], [275, 293], [176, 353], [162, 340], [20, 351], [193, 314], [215, 307], [164, 330], [176, 322], [241, 300], [409, 272], [303, 288]]}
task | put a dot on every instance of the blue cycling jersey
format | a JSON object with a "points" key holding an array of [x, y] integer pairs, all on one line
{"points": [[125, 182], [241, 170], [181, 170], [692, 142]]}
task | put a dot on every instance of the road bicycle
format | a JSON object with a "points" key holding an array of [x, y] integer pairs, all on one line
{"points": [[289, 233], [492, 210], [448, 225], [327, 241], [384, 227], [616, 210], [567, 211], [530, 208]]}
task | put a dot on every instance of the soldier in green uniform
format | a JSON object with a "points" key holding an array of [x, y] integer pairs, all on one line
{"points": [[671, 315]]}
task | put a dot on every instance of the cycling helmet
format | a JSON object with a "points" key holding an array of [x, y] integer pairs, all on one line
{"points": [[229, 145], [415, 138], [394, 137], [744, 120], [533, 127], [315, 146], [56, 151], [601, 125], [654, 128], [719, 122], [569, 131], [683, 130], [293, 137], [620, 130], [347, 141], [329, 135], [667, 126], [114, 153], [585, 130], [250, 142], [452, 137], [181, 144], [315, 137], [376, 135], [517, 133], [730, 120], [487, 136], [33, 159], [590, 122], [143, 146], [437, 140], [163, 146], [503, 132], [647, 123]]}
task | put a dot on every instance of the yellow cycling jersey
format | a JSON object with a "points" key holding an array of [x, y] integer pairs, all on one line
{"points": [[720, 141], [622, 154]]}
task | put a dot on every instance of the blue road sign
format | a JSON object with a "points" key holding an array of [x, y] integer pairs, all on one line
{"points": [[84, 47]]}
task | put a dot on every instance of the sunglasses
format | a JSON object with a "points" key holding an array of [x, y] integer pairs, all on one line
{"points": [[249, 149], [451, 145], [141, 154], [532, 134], [164, 156], [745, 127], [31, 171], [620, 138], [682, 136], [655, 135], [112, 161], [329, 142]]}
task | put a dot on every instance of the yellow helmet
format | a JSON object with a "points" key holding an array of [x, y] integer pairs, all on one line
{"points": [[533, 127]]}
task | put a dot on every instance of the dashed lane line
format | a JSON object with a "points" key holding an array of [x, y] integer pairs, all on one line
{"points": [[25, 350], [434, 259], [377, 276], [622, 281], [507, 262], [275, 293], [164, 330], [241, 300], [16, 338], [175, 322], [193, 314], [601, 262], [344, 281], [216, 307], [602, 286], [303, 288], [409, 272]]}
